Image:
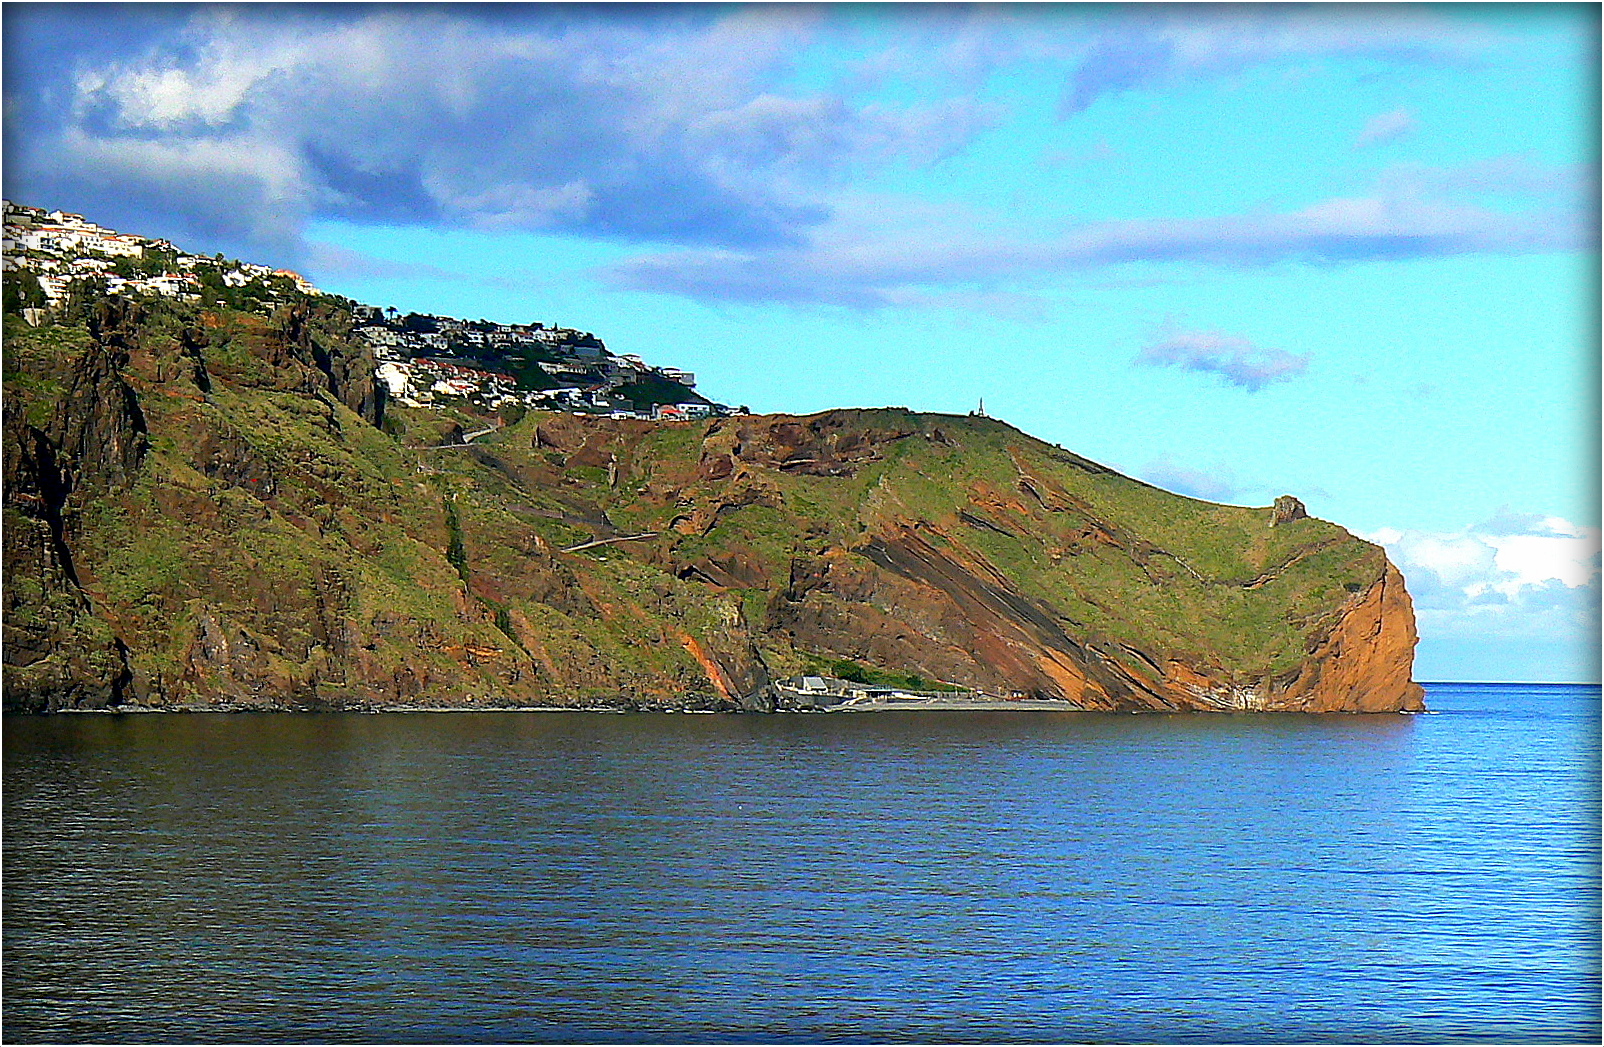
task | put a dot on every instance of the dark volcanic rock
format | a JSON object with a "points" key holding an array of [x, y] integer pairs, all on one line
{"points": [[58, 653], [349, 372], [99, 428]]}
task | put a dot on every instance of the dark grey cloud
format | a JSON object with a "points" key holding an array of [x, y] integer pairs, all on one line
{"points": [[1231, 357], [240, 124], [325, 261]]}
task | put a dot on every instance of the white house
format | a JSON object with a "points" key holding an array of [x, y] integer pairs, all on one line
{"points": [[54, 287], [397, 376], [455, 386], [117, 245]]}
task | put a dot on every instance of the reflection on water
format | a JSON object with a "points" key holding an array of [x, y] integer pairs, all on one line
{"points": [[905, 876]]}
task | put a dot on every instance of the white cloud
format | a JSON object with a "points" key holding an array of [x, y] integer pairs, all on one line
{"points": [[1569, 557], [1511, 578], [671, 125], [1235, 359], [1162, 43], [872, 246], [724, 140]]}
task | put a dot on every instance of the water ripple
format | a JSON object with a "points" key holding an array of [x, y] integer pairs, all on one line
{"points": [[1011, 877]]}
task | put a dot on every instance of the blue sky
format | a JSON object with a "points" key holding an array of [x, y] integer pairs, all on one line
{"points": [[1348, 253]]}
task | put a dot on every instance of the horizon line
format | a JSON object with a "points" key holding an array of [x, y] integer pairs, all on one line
{"points": [[1509, 683]]}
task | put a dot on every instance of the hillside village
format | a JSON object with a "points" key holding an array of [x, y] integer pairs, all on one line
{"points": [[52, 257], [426, 359]]}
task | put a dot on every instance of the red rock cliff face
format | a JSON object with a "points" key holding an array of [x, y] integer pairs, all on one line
{"points": [[915, 588], [962, 621], [919, 594], [1363, 664]]}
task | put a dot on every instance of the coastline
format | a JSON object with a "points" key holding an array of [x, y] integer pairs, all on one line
{"points": [[936, 705], [957, 705], [931, 705]]}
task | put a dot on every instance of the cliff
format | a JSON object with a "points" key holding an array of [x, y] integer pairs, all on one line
{"points": [[209, 509]]}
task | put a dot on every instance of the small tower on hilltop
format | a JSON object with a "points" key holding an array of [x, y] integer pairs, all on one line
{"points": [[980, 412]]}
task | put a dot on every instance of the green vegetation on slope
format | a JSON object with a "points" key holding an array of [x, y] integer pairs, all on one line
{"points": [[288, 538]]}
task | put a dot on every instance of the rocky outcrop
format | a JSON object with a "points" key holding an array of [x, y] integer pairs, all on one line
{"points": [[836, 443], [1286, 510], [349, 372], [99, 428], [60, 650], [963, 621]]}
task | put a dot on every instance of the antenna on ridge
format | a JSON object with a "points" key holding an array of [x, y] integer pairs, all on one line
{"points": [[980, 412]]}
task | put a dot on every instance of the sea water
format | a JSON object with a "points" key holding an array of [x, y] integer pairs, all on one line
{"points": [[895, 877]]}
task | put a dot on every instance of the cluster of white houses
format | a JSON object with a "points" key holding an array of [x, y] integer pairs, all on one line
{"points": [[59, 232], [417, 382], [429, 381], [426, 361], [59, 248]]}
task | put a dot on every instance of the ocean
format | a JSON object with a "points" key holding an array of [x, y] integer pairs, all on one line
{"points": [[897, 877]]}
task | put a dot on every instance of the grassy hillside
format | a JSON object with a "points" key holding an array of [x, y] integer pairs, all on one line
{"points": [[275, 535]]}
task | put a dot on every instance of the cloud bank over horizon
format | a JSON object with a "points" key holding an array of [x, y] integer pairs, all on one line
{"points": [[1514, 579]]}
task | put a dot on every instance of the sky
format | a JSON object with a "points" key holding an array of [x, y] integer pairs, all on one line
{"points": [[1348, 253]]}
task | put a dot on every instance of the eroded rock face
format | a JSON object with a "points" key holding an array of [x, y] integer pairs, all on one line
{"points": [[348, 374], [59, 653], [1363, 662], [835, 443], [963, 622], [99, 428], [921, 596], [1287, 509]]}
